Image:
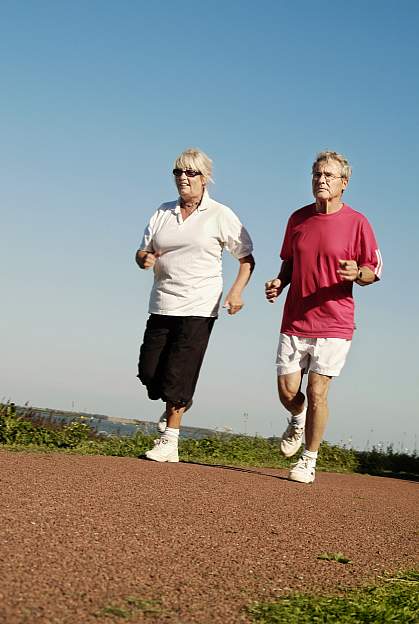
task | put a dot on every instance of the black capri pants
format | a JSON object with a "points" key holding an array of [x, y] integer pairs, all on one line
{"points": [[171, 356]]}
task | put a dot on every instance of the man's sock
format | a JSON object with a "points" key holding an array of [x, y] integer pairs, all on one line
{"points": [[172, 434], [311, 456], [300, 419]]}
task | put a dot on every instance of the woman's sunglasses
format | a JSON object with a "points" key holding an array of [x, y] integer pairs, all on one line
{"points": [[190, 173]]}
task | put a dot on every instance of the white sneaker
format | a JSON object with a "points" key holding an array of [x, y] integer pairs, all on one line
{"points": [[162, 423], [303, 471], [292, 438], [164, 450]]}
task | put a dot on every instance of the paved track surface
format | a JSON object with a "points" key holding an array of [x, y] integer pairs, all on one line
{"points": [[79, 534]]}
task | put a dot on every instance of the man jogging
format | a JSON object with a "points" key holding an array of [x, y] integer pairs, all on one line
{"points": [[327, 247]]}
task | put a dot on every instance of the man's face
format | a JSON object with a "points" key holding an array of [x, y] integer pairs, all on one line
{"points": [[328, 183]]}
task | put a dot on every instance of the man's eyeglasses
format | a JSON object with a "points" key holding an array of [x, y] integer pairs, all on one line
{"points": [[190, 173], [329, 176]]}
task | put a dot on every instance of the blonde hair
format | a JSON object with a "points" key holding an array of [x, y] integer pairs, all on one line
{"points": [[346, 169], [193, 158]]}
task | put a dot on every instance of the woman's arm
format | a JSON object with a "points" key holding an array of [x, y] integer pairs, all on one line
{"points": [[234, 302], [145, 259]]}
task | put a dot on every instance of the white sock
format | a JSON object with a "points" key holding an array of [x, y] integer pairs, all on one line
{"points": [[300, 419], [310, 455], [172, 434]]}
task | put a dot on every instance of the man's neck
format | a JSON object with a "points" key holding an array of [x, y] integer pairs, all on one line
{"points": [[328, 207]]}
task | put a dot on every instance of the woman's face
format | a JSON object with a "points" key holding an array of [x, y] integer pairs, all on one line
{"points": [[189, 187]]}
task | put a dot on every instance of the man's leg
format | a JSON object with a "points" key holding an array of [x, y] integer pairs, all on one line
{"points": [[289, 390], [327, 359], [291, 397], [317, 415], [317, 410]]}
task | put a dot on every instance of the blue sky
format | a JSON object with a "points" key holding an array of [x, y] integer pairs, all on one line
{"points": [[98, 98]]}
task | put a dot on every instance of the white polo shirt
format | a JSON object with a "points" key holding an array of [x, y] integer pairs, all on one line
{"points": [[188, 270]]}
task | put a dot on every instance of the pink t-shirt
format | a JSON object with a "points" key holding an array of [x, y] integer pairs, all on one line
{"points": [[319, 303]]}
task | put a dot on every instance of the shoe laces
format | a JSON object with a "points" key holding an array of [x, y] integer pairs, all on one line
{"points": [[293, 432], [166, 440], [304, 463], [161, 440]]}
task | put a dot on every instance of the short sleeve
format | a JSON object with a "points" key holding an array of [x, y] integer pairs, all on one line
{"points": [[234, 236], [369, 254], [286, 250], [147, 240]]}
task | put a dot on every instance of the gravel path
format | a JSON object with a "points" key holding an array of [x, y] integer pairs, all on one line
{"points": [[81, 535]]}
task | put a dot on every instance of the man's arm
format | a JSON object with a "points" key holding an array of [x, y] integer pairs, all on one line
{"points": [[234, 302], [365, 276], [274, 288], [350, 271]]}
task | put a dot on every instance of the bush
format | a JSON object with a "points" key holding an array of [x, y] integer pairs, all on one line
{"points": [[234, 450], [378, 462], [16, 429], [336, 458]]}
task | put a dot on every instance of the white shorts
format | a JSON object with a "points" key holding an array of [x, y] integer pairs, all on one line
{"points": [[325, 356]]}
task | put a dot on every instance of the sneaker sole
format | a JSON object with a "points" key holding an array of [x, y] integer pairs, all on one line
{"points": [[298, 479], [162, 461]]}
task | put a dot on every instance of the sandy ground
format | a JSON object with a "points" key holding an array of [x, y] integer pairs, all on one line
{"points": [[80, 534]]}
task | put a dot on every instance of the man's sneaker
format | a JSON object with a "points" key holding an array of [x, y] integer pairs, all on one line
{"points": [[302, 471], [162, 424], [292, 439], [164, 450]]}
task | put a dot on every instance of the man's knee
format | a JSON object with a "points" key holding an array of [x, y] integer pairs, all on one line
{"points": [[317, 390], [288, 388]]}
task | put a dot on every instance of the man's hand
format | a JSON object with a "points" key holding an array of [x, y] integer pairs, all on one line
{"points": [[233, 303], [273, 289], [146, 259], [348, 270]]}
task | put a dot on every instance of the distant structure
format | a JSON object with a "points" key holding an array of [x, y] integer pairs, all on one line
{"points": [[107, 425]]}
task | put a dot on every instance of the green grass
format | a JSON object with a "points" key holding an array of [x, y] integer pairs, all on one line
{"points": [[129, 608], [19, 433], [395, 601], [339, 557]]}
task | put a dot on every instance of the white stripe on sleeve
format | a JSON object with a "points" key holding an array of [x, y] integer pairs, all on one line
{"points": [[379, 267]]}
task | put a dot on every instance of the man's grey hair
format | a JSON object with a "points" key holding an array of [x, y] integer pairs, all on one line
{"points": [[196, 159], [346, 169]]}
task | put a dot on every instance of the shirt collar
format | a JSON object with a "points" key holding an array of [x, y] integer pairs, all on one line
{"points": [[202, 206]]}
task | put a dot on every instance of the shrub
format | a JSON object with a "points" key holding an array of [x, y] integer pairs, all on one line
{"points": [[234, 450]]}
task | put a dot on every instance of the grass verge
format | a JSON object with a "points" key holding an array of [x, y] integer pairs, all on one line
{"points": [[19, 433], [395, 601], [130, 608]]}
